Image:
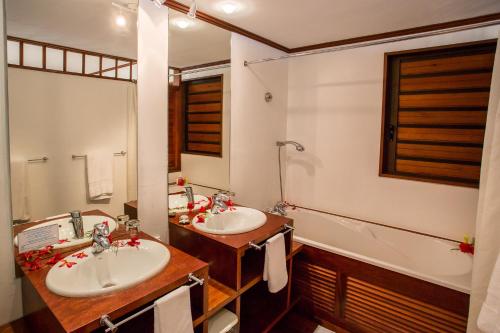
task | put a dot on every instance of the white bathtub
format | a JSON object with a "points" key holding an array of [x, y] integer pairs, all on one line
{"points": [[423, 257]]}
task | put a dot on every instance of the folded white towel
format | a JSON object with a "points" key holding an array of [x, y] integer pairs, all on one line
{"points": [[489, 317], [173, 312], [275, 272], [100, 175], [19, 191]]}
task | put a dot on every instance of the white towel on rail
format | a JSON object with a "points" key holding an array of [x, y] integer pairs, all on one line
{"points": [[489, 317], [100, 175], [275, 272], [19, 191], [173, 312]]}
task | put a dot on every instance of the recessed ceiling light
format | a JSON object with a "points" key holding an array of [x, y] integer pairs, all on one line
{"points": [[229, 7], [120, 20], [182, 23]]}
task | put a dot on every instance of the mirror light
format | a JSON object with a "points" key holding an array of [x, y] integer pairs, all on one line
{"points": [[229, 7], [120, 20], [182, 23]]}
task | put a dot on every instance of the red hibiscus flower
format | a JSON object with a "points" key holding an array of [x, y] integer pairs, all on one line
{"points": [[66, 263], [61, 241], [45, 250], [203, 209], [33, 265], [134, 242], [181, 181], [54, 259], [229, 203], [466, 248], [200, 219], [27, 256], [80, 255]]}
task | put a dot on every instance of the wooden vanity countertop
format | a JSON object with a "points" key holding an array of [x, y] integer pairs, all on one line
{"points": [[82, 314], [240, 242]]}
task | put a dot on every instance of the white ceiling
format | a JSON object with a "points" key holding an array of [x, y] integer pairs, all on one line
{"points": [[295, 23], [83, 24]]}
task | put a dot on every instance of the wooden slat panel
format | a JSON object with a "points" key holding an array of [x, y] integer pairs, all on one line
{"points": [[448, 64], [452, 153], [204, 147], [393, 312], [436, 169], [316, 284], [209, 107], [204, 118], [446, 100], [205, 98], [450, 135], [201, 137], [476, 118], [204, 127], [445, 82], [204, 87]]}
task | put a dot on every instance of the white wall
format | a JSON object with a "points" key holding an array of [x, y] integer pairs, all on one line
{"points": [[10, 287], [255, 124], [334, 110], [152, 91], [57, 116], [208, 170]]}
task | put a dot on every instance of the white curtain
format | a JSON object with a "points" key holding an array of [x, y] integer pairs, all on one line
{"points": [[488, 215], [132, 142]]}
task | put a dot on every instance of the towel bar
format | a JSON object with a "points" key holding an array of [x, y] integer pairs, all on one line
{"points": [[288, 228], [110, 327], [41, 159], [122, 153]]}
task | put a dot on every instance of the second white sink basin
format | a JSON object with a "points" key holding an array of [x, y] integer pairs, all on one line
{"points": [[235, 221], [109, 271]]}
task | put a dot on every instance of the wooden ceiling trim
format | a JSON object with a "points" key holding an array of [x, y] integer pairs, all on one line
{"points": [[398, 33], [208, 64], [225, 25]]}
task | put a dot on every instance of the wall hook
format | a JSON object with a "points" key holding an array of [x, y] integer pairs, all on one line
{"points": [[268, 97]]}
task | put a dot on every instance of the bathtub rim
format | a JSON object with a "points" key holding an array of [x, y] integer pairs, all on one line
{"points": [[385, 265]]}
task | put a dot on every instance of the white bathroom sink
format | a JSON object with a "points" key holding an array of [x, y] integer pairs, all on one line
{"points": [[108, 271], [67, 232], [236, 220], [178, 202]]}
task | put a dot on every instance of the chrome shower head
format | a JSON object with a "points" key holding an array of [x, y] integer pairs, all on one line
{"points": [[297, 145]]}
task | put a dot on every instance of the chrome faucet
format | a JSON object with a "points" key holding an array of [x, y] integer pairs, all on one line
{"points": [[77, 220], [219, 202], [189, 194], [100, 240]]}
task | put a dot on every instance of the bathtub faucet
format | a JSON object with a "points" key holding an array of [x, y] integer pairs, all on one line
{"points": [[279, 208]]}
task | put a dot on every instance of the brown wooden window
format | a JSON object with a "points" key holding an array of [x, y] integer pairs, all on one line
{"points": [[203, 116], [435, 106]]}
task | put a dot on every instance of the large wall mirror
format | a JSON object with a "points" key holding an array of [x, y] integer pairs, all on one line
{"points": [[199, 109], [72, 106]]}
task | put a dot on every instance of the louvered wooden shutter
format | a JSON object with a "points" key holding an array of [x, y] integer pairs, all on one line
{"points": [[203, 116], [435, 107]]}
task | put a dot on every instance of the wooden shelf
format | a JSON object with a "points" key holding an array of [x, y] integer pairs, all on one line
{"points": [[219, 295], [296, 248]]}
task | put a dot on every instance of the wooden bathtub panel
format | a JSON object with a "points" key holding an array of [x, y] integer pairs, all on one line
{"points": [[373, 299]]}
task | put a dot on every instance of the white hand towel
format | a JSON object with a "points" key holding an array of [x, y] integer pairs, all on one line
{"points": [[100, 175], [489, 317], [275, 272], [173, 312], [19, 191]]}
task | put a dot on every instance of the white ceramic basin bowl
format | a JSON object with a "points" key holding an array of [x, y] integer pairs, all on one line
{"points": [[178, 202], [67, 232], [108, 271], [237, 221]]}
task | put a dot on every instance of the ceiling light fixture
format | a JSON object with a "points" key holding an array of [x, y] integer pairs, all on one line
{"points": [[182, 22], [229, 7], [192, 10], [120, 20]]}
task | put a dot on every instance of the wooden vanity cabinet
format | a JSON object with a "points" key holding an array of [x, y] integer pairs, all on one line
{"points": [[235, 271]]}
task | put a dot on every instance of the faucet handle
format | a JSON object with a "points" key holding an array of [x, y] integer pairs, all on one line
{"points": [[76, 214]]}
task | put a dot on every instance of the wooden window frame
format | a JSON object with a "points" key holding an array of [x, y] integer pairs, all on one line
{"points": [[391, 109], [184, 84], [65, 50]]}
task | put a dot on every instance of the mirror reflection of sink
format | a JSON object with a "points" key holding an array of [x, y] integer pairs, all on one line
{"points": [[108, 271], [235, 221], [178, 202], [67, 232]]}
